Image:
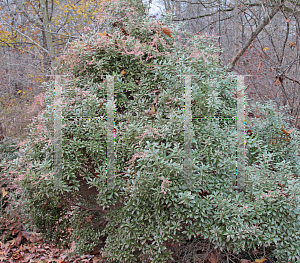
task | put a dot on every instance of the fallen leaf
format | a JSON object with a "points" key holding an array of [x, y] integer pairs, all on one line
{"points": [[15, 231], [124, 31], [213, 258], [4, 193], [19, 239], [153, 107], [123, 72], [265, 49], [290, 131], [17, 256], [108, 35], [35, 239], [32, 248], [260, 260], [167, 31]]}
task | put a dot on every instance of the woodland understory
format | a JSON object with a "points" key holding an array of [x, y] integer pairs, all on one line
{"points": [[217, 40]]}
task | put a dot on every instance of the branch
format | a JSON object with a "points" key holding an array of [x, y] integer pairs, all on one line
{"points": [[27, 16], [56, 33], [285, 41], [16, 43], [267, 19], [211, 14], [196, 17], [26, 37], [215, 21], [294, 80]]}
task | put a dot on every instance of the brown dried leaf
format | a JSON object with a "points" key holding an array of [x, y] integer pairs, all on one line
{"points": [[260, 260], [34, 238], [32, 249], [167, 31], [108, 35], [213, 258], [124, 31], [89, 218], [25, 234], [15, 231], [19, 239]]}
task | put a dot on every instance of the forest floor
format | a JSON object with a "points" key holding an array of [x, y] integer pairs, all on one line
{"points": [[19, 245]]}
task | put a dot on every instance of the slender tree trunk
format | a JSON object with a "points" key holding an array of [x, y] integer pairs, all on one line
{"points": [[47, 35], [236, 29], [2, 136]]}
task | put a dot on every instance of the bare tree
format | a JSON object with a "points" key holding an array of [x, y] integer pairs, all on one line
{"points": [[258, 38], [32, 35]]}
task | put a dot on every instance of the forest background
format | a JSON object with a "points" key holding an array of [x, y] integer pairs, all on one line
{"points": [[258, 38]]}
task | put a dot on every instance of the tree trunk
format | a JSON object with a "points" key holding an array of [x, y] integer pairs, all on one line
{"points": [[2, 136]]}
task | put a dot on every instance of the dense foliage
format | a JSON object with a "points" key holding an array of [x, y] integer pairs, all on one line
{"points": [[150, 204], [9, 150]]}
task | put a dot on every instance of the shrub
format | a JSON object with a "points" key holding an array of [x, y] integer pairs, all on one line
{"points": [[8, 151], [150, 203]]}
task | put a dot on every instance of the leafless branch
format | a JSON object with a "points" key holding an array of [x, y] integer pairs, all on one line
{"points": [[266, 20]]}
